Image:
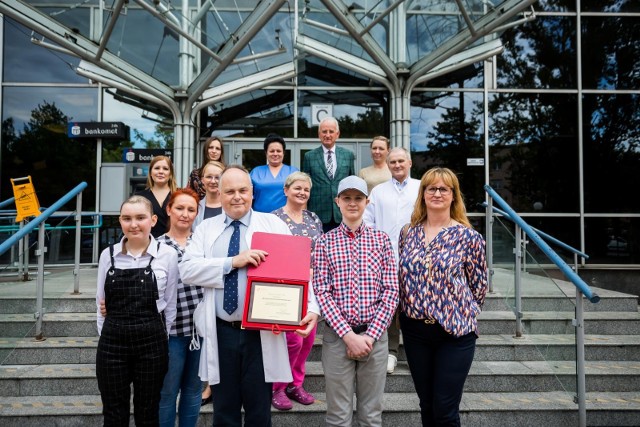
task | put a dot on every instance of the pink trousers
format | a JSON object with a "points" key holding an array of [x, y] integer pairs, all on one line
{"points": [[299, 349]]}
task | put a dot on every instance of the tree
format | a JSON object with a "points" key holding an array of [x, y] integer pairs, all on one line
{"points": [[55, 162]]}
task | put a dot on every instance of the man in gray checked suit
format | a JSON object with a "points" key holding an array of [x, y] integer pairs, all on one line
{"points": [[327, 165]]}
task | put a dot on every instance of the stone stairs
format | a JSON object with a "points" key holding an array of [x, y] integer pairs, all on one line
{"points": [[524, 381]]}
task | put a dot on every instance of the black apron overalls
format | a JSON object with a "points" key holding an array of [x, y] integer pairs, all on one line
{"points": [[132, 348]]}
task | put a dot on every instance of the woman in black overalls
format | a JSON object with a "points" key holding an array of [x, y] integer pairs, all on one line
{"points": [[137, 279]]}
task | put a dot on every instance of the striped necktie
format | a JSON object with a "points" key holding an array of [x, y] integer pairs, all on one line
{"points": [[330, 164]]}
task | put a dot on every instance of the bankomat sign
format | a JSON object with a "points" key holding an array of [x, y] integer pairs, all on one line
{"points": [[135, 155], [104, 130]]}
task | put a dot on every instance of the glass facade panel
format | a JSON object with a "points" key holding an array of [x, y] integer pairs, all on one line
{"points": [[447, 130], [610, 6], [146, 129], [360, 114], [256, 113], [556, 5], [427, 30], [539, 54], [611, 53], [35, 142], [275, 34], [612, 240], [611, 152], [534, 150], [147, 44], [25, 62]]}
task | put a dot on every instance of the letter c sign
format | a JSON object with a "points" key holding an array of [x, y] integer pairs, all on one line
{"points": [[319, 112]]}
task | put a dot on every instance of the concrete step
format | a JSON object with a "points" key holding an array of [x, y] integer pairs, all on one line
{"points": [[489, 377], [505, 347], [490, 322], [477, 409], [73, 324], [85, 302], [62, 303], [554, 322], [610, 301]]}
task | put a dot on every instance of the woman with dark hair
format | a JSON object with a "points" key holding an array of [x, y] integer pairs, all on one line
{"points": [[212, 149], [160, 184], [443, 282], [268, 180]]}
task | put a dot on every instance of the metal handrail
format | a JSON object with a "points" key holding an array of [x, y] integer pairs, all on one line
{"points": [[7, 202], [7, 244], [581, 288], [553, 256], [542, 234], [39, 221], [5, 228]]}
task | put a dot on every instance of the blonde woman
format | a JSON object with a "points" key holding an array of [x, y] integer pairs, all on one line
{"points": [[443, 282], [160, 184]]}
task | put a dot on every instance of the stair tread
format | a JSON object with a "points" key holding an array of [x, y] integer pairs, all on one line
{"points": [[393, 402], [484, 316], [484, 340], [314, 368]]}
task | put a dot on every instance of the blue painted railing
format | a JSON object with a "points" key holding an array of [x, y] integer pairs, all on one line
{"points": [[535, 237], [7, 202], [7, 244], [544, 235]]}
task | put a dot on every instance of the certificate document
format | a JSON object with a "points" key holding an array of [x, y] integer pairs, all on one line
{"points": [[275, 303]]}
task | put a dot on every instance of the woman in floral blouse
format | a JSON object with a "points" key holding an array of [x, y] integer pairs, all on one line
{"points": [[443, 282]]}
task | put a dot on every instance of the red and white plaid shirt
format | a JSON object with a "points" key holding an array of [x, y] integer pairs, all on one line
{"points": [[355, 279]]}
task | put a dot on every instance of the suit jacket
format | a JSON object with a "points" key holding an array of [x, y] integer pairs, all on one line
{"points": [[325, 189], [201, 267]]}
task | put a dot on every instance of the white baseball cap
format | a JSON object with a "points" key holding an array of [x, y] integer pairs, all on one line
{"points": [[353, 183]]}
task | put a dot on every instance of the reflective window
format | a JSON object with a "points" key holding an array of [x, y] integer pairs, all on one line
{"points": [[427, 30], [256, 113], [35, 142], [447, 130], [556, 5], [147, 130], [360, 114], [610, 6], [539, 54], [534, 140], [26, 62], [612, 240], [611, 152], [611, 53], [146, 43]]}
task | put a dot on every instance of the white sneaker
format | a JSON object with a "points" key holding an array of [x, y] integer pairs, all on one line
{"points": [[392, 361]]}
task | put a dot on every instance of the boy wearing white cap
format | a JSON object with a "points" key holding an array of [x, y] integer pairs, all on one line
{"points": [[356, 284]]}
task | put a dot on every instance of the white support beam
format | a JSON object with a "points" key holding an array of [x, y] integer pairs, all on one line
{"points": [[247, 84]]}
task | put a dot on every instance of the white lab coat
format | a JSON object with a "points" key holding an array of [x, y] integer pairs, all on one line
{"points": [[200, 267]]}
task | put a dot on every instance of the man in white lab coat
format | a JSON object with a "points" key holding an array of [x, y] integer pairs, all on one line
{"points": [[239, 364]]}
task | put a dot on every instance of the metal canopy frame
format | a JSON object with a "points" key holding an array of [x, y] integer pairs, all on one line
{"points": [[197, 91]]}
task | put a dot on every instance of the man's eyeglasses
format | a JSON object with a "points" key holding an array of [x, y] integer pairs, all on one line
{"points": [[211, 178], [444, 191]]}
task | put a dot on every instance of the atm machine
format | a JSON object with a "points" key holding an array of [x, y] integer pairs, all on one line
{"points": [[118, 181]]}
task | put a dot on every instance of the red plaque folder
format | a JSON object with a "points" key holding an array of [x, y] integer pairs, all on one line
{"points": [[276, 297]]}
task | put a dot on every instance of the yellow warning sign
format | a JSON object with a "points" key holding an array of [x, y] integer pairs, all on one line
{"points": [[26, 199]]}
